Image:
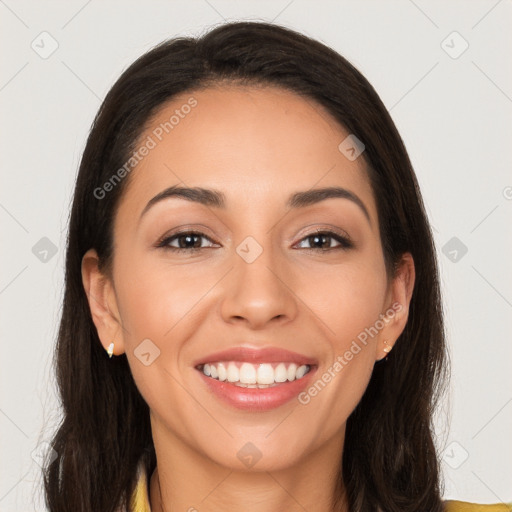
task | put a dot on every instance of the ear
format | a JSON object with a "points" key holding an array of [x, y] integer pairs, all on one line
{"points": [[102, 303], [397, 305]]}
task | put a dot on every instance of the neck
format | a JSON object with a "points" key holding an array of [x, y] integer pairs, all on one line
{"points": [[189, 482]]}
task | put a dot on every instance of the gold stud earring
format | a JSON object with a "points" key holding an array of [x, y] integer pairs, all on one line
{"points": [[110, 350], [387, 348]]}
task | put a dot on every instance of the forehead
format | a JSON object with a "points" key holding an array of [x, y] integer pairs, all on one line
{"points": [[257, 143]]}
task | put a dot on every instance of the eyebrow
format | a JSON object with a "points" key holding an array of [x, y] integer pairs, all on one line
{"points": [[217, 199]]}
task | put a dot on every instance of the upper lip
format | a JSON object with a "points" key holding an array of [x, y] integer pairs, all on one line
{"points": [[260, 355]]}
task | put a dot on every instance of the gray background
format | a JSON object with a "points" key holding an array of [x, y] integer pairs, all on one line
{"points": [[452, 108]]}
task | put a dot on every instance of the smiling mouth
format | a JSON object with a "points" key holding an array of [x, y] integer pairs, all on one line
{"points": [[249, 375]]}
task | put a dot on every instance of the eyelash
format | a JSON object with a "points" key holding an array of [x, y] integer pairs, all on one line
{"points": [[164, 243]]}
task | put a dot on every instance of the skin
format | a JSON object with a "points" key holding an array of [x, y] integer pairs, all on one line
{"points": [[256, 145]]}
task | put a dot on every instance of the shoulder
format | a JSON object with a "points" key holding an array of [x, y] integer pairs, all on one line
{"points": [[464, 506]]}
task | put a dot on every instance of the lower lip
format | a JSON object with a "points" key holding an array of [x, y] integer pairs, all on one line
{"points": [[255, 399]]}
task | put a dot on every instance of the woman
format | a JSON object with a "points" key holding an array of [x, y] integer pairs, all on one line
{"points": [[249, 246]]}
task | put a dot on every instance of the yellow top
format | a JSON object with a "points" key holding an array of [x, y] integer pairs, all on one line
{"points": [[140, 500]]}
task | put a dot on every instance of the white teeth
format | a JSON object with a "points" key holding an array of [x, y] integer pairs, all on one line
{"points": [[265, 374], [280, 373], [255, 375], [292, 370], [248, 374], [223, 373], [301, 371], [233, 374]]}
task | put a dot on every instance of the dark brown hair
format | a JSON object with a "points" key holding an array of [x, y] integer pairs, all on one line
{"points": [[389, 459]]}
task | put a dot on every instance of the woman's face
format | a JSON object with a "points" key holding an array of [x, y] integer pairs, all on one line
{"points": [[256, 276]]}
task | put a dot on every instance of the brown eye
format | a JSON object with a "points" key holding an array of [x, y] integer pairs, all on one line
{"points": [[189, 241], [319, 239]]}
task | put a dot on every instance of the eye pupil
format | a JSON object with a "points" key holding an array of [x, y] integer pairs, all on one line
{"points": [[318, 237], [188, 239]]}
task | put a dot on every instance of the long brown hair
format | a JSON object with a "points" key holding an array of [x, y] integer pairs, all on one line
{"points": [[389, 459]]}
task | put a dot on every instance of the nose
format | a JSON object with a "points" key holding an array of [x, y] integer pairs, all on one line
{"points": [[259, 292]]}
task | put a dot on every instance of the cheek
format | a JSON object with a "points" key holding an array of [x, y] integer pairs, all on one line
{"points": [[159, 302], [336, 391], [347, 298], [154, 297]]}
